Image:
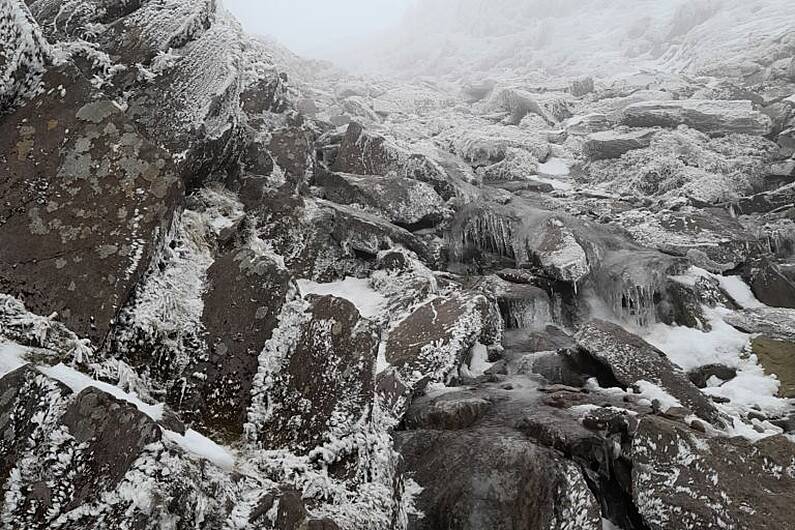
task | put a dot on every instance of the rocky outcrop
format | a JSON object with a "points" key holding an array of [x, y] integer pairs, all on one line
{"points": [[715, 118]]}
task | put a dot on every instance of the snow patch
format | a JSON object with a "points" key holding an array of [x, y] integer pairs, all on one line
{"points": [[367, 300]]}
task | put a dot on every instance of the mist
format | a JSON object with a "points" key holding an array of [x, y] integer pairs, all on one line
{"points": [[320, 29]]}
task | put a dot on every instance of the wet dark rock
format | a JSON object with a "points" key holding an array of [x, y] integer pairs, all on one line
{"points": [[474, 480], [83, 212], [716, 118], [320, 383], [769, 284], [447, 412], [613, 144], [625, 359], [682, 478]]}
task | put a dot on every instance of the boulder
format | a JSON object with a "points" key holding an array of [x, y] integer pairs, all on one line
{"points": [[769, 284], [86, 202], [684, 479], [315, 381], [625, 359], [404, 202], [242, 299], [431, 342], [472, 480], [613, 144], [713, 117], [365, 153]]}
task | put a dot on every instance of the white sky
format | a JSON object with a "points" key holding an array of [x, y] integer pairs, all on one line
{"points": [[318, 28]]}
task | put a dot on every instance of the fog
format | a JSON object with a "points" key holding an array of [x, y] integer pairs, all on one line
{"points": [[320, 29], [475, 39]]}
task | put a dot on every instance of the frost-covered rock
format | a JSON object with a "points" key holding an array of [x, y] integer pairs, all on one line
{"points": [[709, 238], [401, 201], [87, 202], [681, 478], [686, 163], [715, 118], [430, 343], [365, 153], [314, 384], [24, 56], [613, 144], [629, 360], [90, 460]]}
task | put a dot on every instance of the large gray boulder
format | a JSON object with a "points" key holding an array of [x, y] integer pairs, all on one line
{"points": [[85, 202], [715, 118]]}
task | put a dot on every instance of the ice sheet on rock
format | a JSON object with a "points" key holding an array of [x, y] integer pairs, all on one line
{"points": [[367, 300]]}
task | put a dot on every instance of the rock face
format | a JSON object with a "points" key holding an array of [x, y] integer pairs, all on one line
{"points": [[84, 210], [675, 472], [715, 118], [630, 360], [240, 289]]}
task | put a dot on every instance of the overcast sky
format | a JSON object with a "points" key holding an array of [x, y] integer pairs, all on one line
{"points": [[318, 28]]}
